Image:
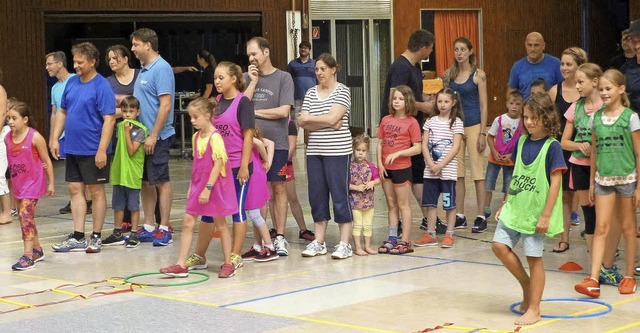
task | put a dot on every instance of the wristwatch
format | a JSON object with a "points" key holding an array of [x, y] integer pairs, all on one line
{"points": [[209, 187]]}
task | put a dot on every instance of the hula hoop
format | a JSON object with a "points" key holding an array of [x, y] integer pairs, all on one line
{"points": [[586, 315], [205, 277]]}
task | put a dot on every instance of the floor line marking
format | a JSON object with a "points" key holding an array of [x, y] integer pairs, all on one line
{"points": [[623, 328], [242, 284]]}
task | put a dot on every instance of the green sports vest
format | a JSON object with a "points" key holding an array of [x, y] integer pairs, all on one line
{"points": [[127, 170], [581, 127], [528, 194], [614, 146]]}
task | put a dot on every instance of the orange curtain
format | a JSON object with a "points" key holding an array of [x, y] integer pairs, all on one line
{"points": [[448, 26]]}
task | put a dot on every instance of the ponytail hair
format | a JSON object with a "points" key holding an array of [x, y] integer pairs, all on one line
{"points": [[618, 79]]}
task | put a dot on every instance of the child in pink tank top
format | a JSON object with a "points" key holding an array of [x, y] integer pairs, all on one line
{"points": [[26, 153]]}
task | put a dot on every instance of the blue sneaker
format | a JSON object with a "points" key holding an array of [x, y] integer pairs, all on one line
{"points": [[575, 218], [145, 236], [162, 238], [70, 245], [610, 276]]}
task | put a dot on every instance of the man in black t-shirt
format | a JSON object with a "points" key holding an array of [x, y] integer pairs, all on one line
{"points": [[631, 69]]}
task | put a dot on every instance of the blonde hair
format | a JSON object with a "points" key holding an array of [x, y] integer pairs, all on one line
{"points": [[203, 105], [361, 139], [579, 55], [618, 79]]}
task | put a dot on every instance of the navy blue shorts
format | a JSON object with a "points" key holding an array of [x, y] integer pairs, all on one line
{"points": [[432, 189], [278, 170], [125, 197], [329, 175], [156, 165]]}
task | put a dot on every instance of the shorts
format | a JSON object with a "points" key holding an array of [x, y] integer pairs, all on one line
{"points": [[533, 244], [290, 173], [493, 170], [477, 160], [156, 165], [579, 177], [125, 197], [400, 176], [417, 168], [328, 176], [566, 180], [83, 169], [432, 189], [278, 170], [241, 197], [624, 190]]}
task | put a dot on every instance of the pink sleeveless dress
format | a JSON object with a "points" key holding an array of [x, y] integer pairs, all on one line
{"points": [[25, 166]]}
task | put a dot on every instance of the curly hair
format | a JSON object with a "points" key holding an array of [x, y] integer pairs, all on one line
{"points": [[542, 108]]}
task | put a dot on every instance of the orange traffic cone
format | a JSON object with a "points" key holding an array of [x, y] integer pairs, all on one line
{"points": [[571, 266]]}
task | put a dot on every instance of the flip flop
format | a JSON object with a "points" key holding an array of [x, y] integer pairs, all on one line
{"points": [[560, 245]]}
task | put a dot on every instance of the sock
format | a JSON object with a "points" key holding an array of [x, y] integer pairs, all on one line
{"points": [[270, 246], [393, 232], [257, 247], [487, 209], [278, 235], [96, 234], [164, 227], [450, 232], [117, 231], [460, 215], [77, 235], [149, 228], [432, 233]]}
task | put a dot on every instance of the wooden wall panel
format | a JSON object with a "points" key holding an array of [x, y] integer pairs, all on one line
{"points": [[634, 10]]}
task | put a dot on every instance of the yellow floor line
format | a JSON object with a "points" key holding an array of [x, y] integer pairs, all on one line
{"points": [[40, 277], [469, 329], [171, 298], [623, 328]]}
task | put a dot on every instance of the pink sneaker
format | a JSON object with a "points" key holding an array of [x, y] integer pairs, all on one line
{"points": [[175, 271], [227, 271]]}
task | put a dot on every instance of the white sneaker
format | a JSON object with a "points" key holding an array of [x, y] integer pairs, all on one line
{"points": [[342, 251], [315, 248], [281, 245]]}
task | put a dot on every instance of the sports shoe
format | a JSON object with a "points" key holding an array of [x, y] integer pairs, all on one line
{"points": [[227, 271], [627, 285], [64, 210], [38, 255], [236, 260], [250, 254], [175, 271], [70, 245], [23, 264], [14, 212], [145, 236], [266, 255], [589, 286], [162, 238], [95, 245], [637, 270], [281, 245], [132, 241], [307, 235], [424, 225], [196, 262], [441, 227], [461, 222], [125, 227], [479, 225], [447, 241], [609, 276], [113, 239], [273, 233], [342, 251], [487, 212], [575, 218], [426, 240], [315, 248]]}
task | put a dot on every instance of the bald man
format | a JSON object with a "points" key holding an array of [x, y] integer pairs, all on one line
{"points": [[536, 65]]}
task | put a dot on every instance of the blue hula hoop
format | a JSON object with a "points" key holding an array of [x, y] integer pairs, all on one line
{"points": [[586, 315]]}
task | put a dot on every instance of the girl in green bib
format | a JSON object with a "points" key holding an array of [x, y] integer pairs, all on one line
{"points": [[533, 207], [614, 169]]}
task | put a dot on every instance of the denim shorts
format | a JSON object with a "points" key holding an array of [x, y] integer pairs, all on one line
{"points": [[493, 170], [533, 244], [624, 190], [125, 197]]}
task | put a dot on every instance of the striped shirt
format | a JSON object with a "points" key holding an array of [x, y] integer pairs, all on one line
{"points": [[329, 141], [440, 142]]}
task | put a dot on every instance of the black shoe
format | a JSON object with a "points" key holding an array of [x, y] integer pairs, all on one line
{"points": [[89, 206], [441, 228], [479, 225], [66, 209], [424, 226], [273, 233], [113, 239], [399, 228], [461, 222]]}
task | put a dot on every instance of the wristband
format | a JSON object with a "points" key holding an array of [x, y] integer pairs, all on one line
{"points": [[209, 187]]}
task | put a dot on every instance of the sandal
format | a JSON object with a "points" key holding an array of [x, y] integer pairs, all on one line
{"points": [[401, 248], [386, 247], [560, 250]]}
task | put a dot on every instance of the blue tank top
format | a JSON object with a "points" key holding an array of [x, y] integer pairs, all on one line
{"points": [[470, 99]]}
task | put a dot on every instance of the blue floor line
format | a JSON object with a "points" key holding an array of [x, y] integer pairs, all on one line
{"points": [[334, 284]]}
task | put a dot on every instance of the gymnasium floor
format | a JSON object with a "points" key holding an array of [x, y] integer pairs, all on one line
{"points": [[464, 287]]}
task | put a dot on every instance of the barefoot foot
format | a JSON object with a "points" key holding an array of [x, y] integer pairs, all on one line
{"points": [[360, 252], [370, 251], [528, 318]]}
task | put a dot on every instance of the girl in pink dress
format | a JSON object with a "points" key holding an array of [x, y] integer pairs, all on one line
{"points": [[211, 191], [26, 153]]}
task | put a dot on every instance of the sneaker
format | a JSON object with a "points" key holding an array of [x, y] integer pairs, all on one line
{"points": [[575, 218], [175, 271], [479, 225], [126, 227], [307, 235], [281, 245], [23, 264], [609, 276], [461, 222], [64, 210], [236, 260], [132, 241], [145, 236], [95, 245], [447, 241], [113, 239], [426, 240], [227, 271], [315, 248], [637, 270], [424, 225], [162, 238], [14, 212], [196, 262], [70, 245], [273, 233], [589, 286], [266, 255], [342, 251], [38, 255], [441, 228], [487, 212], [250, 254], [89, 207], [627, 286]]}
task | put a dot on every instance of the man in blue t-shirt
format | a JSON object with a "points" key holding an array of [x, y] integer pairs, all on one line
{"points": [[303, 73], [536, 65], [87, 113]]}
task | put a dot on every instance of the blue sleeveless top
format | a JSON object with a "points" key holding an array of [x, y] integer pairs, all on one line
{"points": [[470, 99]]}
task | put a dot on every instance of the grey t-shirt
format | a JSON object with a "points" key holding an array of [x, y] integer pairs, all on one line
{"points": [[272, 91]]}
